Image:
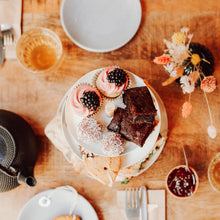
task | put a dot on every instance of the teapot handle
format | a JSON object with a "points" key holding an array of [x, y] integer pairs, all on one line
{"points": [[8, 171]]}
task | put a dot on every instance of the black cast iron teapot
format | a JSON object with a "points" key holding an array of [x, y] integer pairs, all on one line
{"points": [[18, 151]]}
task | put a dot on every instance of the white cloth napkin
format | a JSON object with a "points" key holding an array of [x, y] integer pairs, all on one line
{"points": [[156, 204], [10, 13], [54, 132]]}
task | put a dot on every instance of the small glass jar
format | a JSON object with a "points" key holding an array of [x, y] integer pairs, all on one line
{"points": [[182, 182], [214, 172]]}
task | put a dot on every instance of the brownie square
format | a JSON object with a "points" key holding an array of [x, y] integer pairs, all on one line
{"points": [[134, 132], [129, 130], [140, 104], [115, 124]]}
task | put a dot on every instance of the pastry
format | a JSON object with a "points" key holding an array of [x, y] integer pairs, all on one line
{"points": [[131, 131], [85, 100], [89, 130], [112, 144], [140, 104], [134, 132], [112, 81], [67, 217], [104, 169]]}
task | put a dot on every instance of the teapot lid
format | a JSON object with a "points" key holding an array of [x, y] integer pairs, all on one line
{"points": [[7, 147]]}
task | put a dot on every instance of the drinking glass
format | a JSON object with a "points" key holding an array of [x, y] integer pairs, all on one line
{"points": [[214, 172], [39, 50]]}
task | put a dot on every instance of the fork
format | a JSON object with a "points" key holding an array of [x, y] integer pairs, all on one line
{"points": [[7, 34], [132, 203]]}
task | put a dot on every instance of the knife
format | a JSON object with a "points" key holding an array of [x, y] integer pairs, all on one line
{"points": [[2, 53], [143, 203]]}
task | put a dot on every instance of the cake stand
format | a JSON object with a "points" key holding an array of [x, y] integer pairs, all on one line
{"points": [[134, 154]]}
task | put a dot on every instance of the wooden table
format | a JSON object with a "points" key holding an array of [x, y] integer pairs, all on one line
{"points": [[36, 98]]}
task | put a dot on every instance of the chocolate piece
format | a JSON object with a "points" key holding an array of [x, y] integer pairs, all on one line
{"points": [[140, 104], [115, 124], [131, 131], [136, 133]]}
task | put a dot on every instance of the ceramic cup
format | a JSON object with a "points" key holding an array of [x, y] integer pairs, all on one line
{"points": [[178, 183], [39, 50]]}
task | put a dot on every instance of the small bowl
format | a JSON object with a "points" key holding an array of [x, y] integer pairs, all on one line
{"points": [[189, 191], [39, 50], [214, 172]]}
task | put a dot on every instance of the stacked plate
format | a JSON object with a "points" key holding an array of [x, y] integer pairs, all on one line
{"points": [[133, 153]]}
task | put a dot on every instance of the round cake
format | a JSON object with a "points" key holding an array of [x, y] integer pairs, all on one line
{"points": [[85, 100], [112, 81]]}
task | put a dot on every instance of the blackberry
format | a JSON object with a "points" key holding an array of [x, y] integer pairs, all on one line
{"points": [[117, 76], [90, 100]]}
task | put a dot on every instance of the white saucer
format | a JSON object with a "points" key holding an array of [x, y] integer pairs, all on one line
{"points": [[134, 153], [61, 203], [100, 25]]}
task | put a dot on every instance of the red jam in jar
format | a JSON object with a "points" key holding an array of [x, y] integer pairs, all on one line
{"points": [[182, 182]]}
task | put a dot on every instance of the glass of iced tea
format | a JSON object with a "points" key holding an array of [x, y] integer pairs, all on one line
{"points": [[214, 172], [39, 50]]}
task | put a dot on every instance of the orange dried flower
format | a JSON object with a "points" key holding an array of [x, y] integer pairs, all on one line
{"points": [[162, 60], [186, 109], [208, 84]]}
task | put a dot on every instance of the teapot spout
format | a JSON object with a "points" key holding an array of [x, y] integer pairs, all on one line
{"points": [[29, 180]]}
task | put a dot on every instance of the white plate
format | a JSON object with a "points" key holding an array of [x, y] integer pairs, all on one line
{"points": [[61, 203], [133, 152], [100, 25]]}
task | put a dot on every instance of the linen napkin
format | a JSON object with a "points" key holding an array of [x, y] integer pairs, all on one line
{"points": [[156, 204], [10, 13], [54, 132]]}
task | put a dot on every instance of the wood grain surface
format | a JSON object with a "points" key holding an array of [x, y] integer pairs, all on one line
{"points": [[36, 98]]}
